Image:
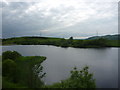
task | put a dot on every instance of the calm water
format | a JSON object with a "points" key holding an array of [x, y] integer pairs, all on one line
{"points": [[102, 62]]}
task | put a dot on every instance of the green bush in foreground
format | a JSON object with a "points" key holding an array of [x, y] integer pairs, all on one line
{"points": [[10, 55], [78, 79], [22, 71], [9, 69]]}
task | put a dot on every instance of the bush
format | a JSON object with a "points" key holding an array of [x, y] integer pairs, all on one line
{"points": [[10, 55], [81, 79], [9, 69], [78, 79], [25, 72], [101, 42]]}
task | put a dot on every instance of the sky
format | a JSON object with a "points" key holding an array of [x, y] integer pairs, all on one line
{"points": [[59, 18]]}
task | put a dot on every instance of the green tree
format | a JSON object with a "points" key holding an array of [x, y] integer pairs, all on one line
{"points": [[10, 55], [9, 69], [78, 79], [81, 78], [22, 71], [71, 38], [64, 43]]}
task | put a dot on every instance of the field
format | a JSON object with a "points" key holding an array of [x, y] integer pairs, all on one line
{"points": [[101, 42]]}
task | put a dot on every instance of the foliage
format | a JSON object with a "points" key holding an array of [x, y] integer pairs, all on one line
{"points": [[101, 42], [82, 78], [27, 72], [9, 69], [71, 38], [78, 79], [98, 42], [8, 84], [10, 55], [22, 71]]}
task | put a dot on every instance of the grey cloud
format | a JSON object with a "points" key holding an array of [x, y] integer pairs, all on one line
{"points": [[23, 18], [13, 24]]}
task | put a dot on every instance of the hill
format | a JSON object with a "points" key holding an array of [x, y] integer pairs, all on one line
{"points": [[109, 37], [93, 42]]}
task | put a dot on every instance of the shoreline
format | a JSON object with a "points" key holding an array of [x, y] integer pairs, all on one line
{"points": [[60, 46]]}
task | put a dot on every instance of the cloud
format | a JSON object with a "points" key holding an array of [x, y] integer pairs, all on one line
{"points": [[52, 17]]}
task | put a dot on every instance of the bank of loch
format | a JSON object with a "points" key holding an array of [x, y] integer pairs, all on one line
{"points": [[94, 43], [26, 72], [22, 71]]}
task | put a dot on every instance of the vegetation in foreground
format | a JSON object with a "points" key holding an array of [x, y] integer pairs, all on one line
{"points": [[78, 79], [27, 72], [89, 43], [20, 71]]}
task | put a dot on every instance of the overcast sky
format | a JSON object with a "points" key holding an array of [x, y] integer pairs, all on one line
{"points": [[60, 18]]}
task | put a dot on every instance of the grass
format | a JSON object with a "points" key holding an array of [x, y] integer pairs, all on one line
{"points": [[25, 76], [61, 42]]}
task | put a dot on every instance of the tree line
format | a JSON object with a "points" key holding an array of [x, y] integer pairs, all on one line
{"points": [[100, 42]]}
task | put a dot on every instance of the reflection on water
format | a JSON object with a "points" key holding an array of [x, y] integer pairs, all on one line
{"points": [[102, 62]]}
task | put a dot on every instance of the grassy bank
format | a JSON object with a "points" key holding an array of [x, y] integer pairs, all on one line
{"points": [[27, 72], [101, 42], [22, 71]]}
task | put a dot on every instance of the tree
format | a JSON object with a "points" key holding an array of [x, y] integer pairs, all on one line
{"points": [[82, 78], [70, 41], [78, 79], [10, 55], [9, 69], [71, 38]]}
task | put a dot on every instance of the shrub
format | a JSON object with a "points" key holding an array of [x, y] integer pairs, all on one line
{"points": [[78, 79], [10, 55], [9, 69]]}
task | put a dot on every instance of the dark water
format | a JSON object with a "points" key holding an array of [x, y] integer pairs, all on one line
{"points": [[103, 63]]}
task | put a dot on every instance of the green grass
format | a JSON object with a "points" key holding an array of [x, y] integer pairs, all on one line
{"points": [[0, 62], [114, 43], [61, 42], [9, 84], [25, 77]]}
